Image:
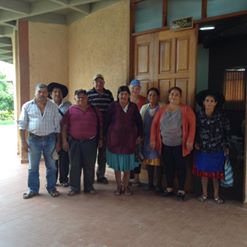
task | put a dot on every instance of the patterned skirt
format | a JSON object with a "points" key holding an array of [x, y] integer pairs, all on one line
{"points": [[209, 165], [121, 162]]}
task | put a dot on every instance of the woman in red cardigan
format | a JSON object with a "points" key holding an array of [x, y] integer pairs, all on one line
{"points": [[172, 134]]}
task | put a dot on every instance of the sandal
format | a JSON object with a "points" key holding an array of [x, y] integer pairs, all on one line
{"points": [[128, 191], [117, 192], [218, 200], [202, 198]]}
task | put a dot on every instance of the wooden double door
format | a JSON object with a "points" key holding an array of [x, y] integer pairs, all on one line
{"points": [[166, 59], [163, 60]]}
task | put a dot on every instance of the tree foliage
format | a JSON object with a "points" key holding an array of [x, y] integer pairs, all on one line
{"points": [[6, 97]]}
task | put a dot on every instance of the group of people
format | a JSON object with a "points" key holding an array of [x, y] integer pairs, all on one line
{"points": [[127, 134]]}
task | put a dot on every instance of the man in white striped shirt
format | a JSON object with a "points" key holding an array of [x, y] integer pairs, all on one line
{"points": [[40, 118]]}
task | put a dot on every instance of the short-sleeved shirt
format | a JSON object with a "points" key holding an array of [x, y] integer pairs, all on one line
{"points": [[32, 120]]}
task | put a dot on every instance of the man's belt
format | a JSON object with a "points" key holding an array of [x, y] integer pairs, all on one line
{"points": [[37, 136]]}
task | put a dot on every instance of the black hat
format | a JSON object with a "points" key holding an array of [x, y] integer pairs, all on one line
{"points": [[200, 97], [62, 87]]}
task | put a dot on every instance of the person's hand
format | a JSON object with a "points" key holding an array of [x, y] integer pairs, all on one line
{"points": [[144, 166], [197, 146], [138, 140], [189, 146], [100, 145], [226, 151], [65, 146], [24, 146], [58, 147]]}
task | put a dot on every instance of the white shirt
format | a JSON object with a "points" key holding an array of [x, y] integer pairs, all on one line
{"points": [[33, 121]]}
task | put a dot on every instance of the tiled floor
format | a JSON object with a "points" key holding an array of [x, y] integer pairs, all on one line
{"points": [[104, 220]]}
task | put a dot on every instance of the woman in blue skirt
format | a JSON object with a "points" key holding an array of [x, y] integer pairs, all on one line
{"points": [[212, 142]]}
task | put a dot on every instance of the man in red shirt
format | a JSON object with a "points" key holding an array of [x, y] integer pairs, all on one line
{"points": [[82, 127]]}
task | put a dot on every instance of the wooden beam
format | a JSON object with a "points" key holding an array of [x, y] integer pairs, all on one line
{"points": [[164, 13], [204, 9], [219, 17], [155, 30]]}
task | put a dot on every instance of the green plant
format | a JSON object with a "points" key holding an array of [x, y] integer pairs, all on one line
{"points": [[6, 115], [6, 95]]}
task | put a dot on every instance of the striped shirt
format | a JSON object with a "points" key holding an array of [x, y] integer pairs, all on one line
{"points": [[34, 122], [101, 101]]}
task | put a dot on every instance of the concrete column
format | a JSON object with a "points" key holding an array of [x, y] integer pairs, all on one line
{"points": [[22, 74]]}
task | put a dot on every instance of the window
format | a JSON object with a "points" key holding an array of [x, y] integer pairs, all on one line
{"points": [[234, 89]]}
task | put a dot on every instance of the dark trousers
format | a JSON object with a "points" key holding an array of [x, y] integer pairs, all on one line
{"points": [[82, 155], [101, 160], [62, 165], [174, 162]]}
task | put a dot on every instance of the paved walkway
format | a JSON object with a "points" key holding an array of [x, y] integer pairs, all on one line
{"points": [[104, 220]]}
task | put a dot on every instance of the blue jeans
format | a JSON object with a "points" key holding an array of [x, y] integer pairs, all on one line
{"points": [[37, 146]]}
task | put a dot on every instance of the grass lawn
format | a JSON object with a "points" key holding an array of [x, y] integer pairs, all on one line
{"points": [[7, 122]]}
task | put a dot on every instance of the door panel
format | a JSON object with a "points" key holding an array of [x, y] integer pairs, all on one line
{"points": [[165, 56], [183, 83], [143, 51], [143, 57], [164, 86], [182, 54]]}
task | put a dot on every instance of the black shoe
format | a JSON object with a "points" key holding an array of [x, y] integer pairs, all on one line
{"points": [[54, 193], [159, 190], [102, 180], [66, 184], [29, 194], [73, 193], [180, 196], [167, 193], [92, 191]]}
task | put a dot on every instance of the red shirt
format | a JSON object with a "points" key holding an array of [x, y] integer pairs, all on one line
{"points": [[141, 101], [81, 124]]}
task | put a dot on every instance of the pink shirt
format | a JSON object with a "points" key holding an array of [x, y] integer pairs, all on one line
{"points": [[81, 124]]}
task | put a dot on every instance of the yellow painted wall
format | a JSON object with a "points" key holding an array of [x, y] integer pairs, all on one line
{"points": [[99, 43], [48, 53]]}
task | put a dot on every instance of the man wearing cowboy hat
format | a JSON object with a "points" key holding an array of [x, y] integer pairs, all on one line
{"points": [[57, 92], [100, 98]]}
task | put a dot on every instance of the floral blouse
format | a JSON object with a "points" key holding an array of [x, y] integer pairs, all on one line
{"points": [[212, 134]]}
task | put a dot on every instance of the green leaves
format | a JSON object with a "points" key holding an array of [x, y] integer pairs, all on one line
{"points": [[6, 98]]}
